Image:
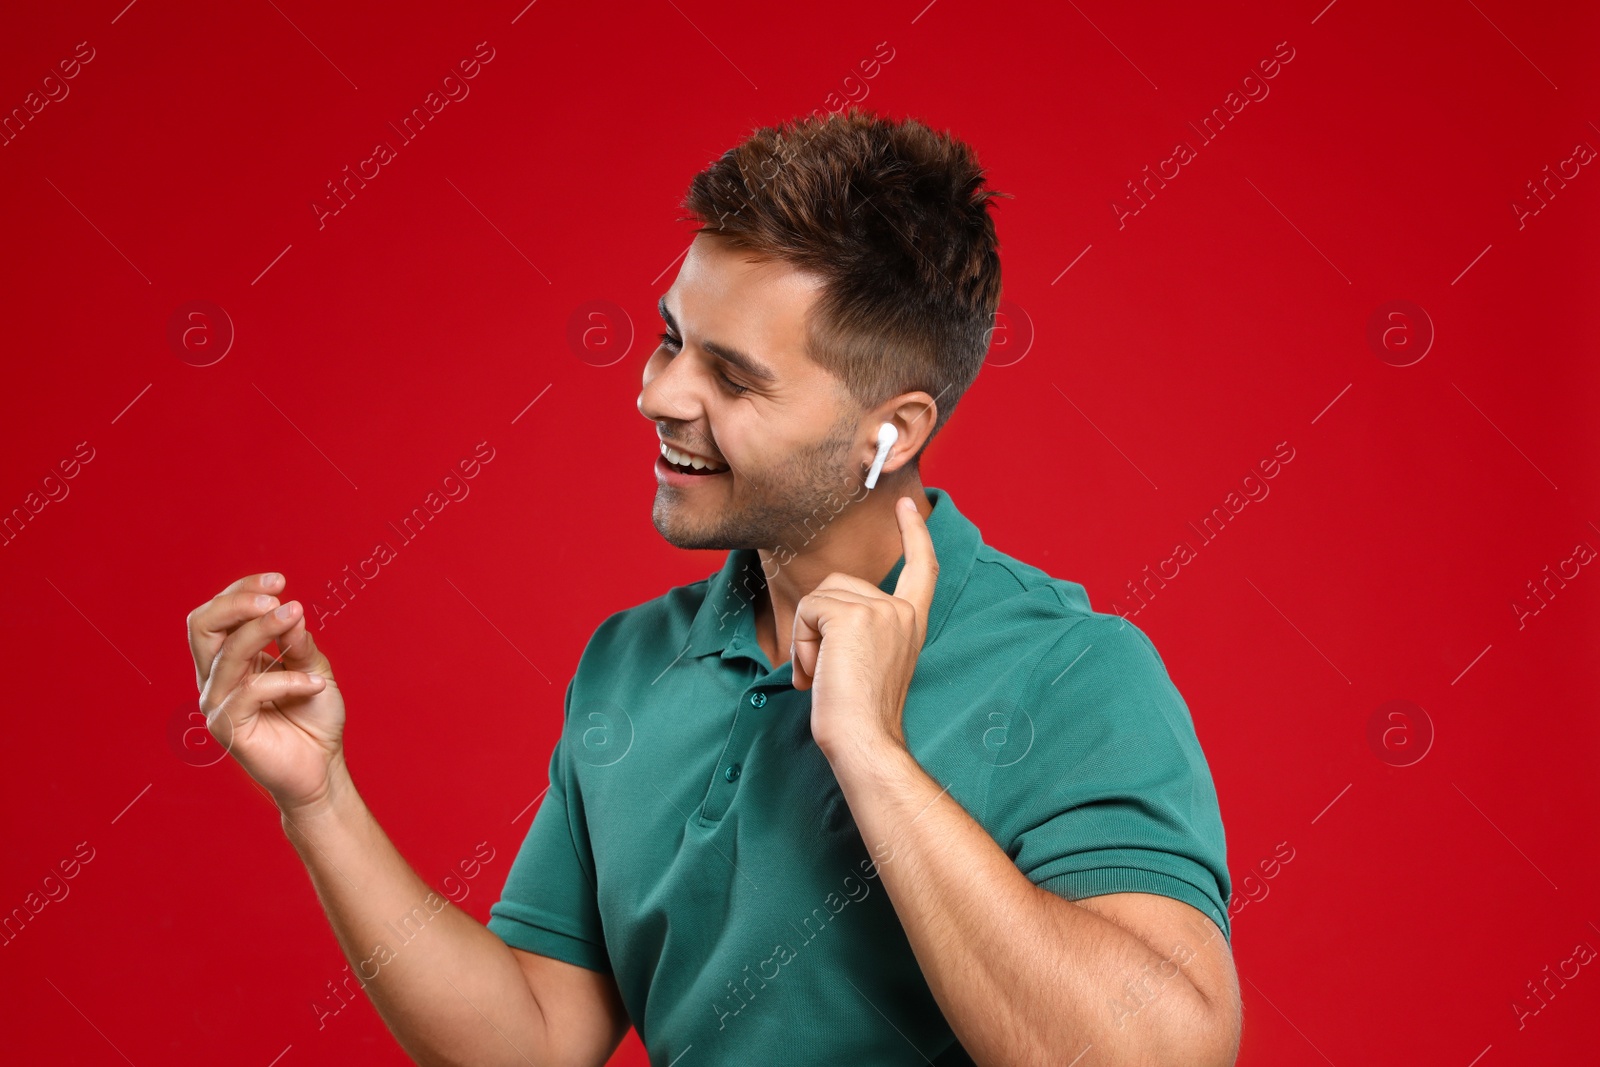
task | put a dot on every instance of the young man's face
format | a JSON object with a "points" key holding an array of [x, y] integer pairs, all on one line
{"points": [[783, 441]]}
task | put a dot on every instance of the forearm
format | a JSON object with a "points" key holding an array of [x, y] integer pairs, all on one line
{"points": [[982, 931], [450, 991]]}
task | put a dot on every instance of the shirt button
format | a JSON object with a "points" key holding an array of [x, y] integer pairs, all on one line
{"points": [[756, 700], [732, 773]]}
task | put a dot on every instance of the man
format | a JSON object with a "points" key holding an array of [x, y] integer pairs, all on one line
{"points": [[875, 792]]}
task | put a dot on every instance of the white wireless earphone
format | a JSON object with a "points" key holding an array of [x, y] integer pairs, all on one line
{"points": [[887, 436]]}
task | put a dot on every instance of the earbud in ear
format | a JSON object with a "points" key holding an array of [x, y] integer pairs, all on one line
{"points": [[887, 436]]}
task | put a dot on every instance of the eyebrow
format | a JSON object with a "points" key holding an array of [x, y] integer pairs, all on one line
{"points": [[727, 353]]}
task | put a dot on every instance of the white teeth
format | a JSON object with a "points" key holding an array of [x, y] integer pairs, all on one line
{"points": [[684, 459]]}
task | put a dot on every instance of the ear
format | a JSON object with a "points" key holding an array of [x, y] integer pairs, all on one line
{"points": [[913, 415]]}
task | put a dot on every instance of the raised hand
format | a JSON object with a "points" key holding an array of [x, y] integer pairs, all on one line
{"points": [[856, 647], [281, 716]]}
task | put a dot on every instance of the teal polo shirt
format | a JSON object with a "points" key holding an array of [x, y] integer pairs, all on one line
{"points": [[694, 842]]}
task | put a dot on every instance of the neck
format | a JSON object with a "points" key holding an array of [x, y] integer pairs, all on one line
{"points": [[862, 540]]}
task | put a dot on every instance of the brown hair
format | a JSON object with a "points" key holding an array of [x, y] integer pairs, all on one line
{"points": [[893, 217]]}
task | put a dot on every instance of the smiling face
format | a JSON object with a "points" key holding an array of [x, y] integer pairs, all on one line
{"points": [[732, 385]]}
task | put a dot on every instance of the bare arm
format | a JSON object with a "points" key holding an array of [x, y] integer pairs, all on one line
{"points": [[1028, 977], [449, 990]]}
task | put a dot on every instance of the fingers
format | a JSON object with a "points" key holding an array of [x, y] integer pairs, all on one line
{"points": [[211, 622], [907, 610], [805, 643], [806, 637], [300, 652], [812, 616], [833, 594], [237, 656], [239, 707], [267, 582], [921, 571]]}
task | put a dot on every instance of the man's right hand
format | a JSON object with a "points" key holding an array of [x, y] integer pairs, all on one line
{"points": [[281, 717]]}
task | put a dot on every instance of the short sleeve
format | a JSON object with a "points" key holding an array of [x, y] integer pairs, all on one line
{"points": [[1114, 794], [548, 905]]}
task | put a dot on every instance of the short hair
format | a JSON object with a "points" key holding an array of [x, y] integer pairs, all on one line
{"points": [[893, 216]]}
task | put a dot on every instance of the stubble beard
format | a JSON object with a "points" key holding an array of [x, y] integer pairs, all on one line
{"points": [[769, 506]]}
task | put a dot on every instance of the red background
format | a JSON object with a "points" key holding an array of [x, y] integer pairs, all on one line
{"points": [[374, 353]]}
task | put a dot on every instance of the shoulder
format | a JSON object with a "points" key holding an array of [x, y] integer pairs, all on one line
{"points": [[649, 626], [1076, 667], [1049, 619]]}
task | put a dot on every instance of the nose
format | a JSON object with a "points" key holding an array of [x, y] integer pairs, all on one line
{"points": [[668, 395]]}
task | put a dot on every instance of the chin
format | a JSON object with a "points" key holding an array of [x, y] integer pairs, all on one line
{"points": [[670, 523]]}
